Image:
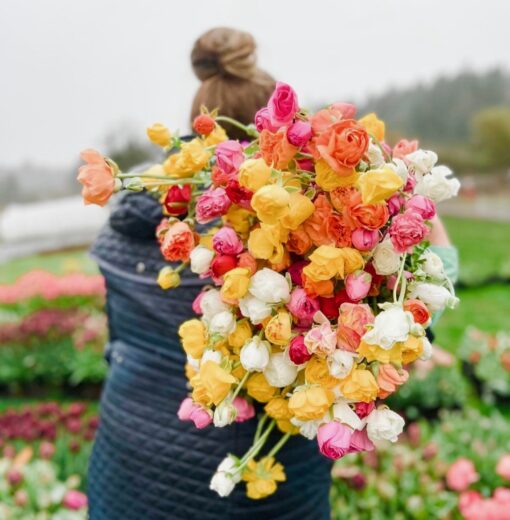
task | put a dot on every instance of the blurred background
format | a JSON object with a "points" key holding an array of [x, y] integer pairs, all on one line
{"points": [[96, 73]]}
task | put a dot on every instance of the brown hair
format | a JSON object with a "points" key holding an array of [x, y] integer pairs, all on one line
{"points": [[224, 60]]}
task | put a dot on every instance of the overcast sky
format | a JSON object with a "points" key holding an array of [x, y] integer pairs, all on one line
{"points": [[73, 70]]}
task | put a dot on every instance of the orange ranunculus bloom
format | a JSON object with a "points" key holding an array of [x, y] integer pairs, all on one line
{"points": [[283, 264], [178, 242], [299, 242], [419, 311], [345, 198], [247, 261], [369, 216], [275, 149], [314, 289], [316, 225], [96, 177], [343, 145], [389, 378], [338, 231]]}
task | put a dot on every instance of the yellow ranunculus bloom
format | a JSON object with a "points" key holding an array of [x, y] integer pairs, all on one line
{"points": [[235, 284], [189, 371], [378, 185], [300, 208], [352, 261], [168, 278], [193, 338], [238, 219], [412, 349], [373, 125], [271, 203], [217, 136], [216, 381], [254, 173], [327, 179], [359, 385], [258, 388], [326, 261], [278, 408], [278, 329], [200, 393], [159, 134], [261, 477], [241, 334], [310, 403], [192, 158], [285, 426], [376, 353], [239, 371], [265, 243], [317, 372]]}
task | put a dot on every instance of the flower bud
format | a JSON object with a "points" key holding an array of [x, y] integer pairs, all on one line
{"points": [[168, 278], [255, 354], [159, 134], [224, 414]]}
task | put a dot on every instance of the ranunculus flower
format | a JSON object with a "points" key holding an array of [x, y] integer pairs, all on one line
{"points": [[201, 417], [365, 239], [203, 124], [384, 425], [389, 379], [282, 105], [386, 260], [271, 203], [435, 297], [200, 259], [295, 270], [254, 309], [503, 467], [178, 242], [395, 202], [352, 324], [422, 205], [298, 353], [360, 441], [235, 284], [280, 371], [270, 286], [421, 161], [419, 311], [343, 145], [358, 285], [321, 340], [96, 177], [177, 199], [211, 304], [185, 409], [248, 262], [226, 477], [212, 204], [222, 323], [406, 230], [254, 355], [323, 119], [299, 133], [340, 363], [433, 265], [159, 134], [378, 185], [227, 242], [302, 306], [254, 173], [74, 500], [461, 474], [222, 264], [359, 385], [363, 409], [275, 149], [263, 120], [390, 326], [373, 125], [310, 403], [438, 184], [369, 216], [237, 194], [334, 439], [229, 156], [245, 410], [278, 328], [403, 148], [224, 414]]}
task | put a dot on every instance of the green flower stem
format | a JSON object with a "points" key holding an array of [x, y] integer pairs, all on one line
{"points": [[260, 425], [250, 131], [239, 386], [399, 277], [255, 449], [279, 445], [181, 267]]}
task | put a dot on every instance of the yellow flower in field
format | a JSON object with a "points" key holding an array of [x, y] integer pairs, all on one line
{"points": [[217, 381], [261, 477], [254, 173], [376, 353], [241, 335], [300, 208], [168, 278], [217, 136], [193, 338], [271, 203], [317, 372], [278, 408], [379, 185], [327, 179], [310, 403], [359, 385], [412, 349], [278, 329], [159, 134], [325, 263], [235, 284], [373, 125], [258, 388], [192, 158], [238, 219]]}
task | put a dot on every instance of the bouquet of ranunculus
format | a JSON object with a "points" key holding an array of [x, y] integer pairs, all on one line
{"points": [[323, 283]]}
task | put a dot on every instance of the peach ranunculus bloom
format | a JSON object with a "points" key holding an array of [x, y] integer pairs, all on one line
{"points": [[178, 242], [403, 148], [314, 289], [323, 119], [343, 145], [275, 149], [96, 177], [389, 379], [352, 322]]}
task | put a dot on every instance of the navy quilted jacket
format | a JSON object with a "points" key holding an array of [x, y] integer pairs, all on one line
{"points": [[146, 464]]}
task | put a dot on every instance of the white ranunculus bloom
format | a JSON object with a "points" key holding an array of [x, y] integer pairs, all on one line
{"points": [[345, 414], [255, 354], [433, 265], [194, 363], [200, 259], [400, 168], [226, 477], [435, 297], [307, 429], [340, 363], [384, 425], [390, 326], [254, 309], [269, 286], [212, 304], [222, 323], [385, 259], [224, 414], [427, 349], [421, 161], [375, 156], [438, 184], [280, 371], [211, 355]]}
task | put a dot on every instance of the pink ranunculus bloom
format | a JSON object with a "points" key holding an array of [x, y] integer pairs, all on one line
{"points": [[407, 230], [395, 202], [306, 164], [321, 339], [365, 239], [200, 417], [392, 280], [282, 105], [245, 410], [404, 147], [503, 467], [295, 271], [410, 183], [196, 303], [211, 205], [461, 474], [358, 284], [229, 156], [334, 439], [263, 120], [302, 306], [363, 409], [227, 242], [352, 324], [185, 409], [423, 205], [299, 133], [74, 500], [360, 442], [298, 353]]}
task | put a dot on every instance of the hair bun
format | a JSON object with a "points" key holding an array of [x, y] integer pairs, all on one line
{"points": [[225, 52]]}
